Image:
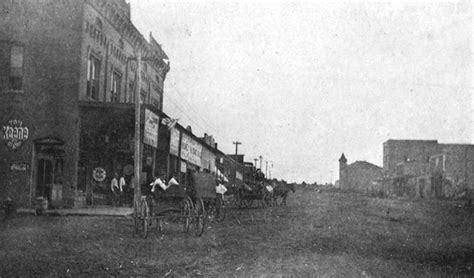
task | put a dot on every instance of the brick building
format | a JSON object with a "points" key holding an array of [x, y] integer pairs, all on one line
{"points": [[66, 96], [426, 168], [359, 176]]}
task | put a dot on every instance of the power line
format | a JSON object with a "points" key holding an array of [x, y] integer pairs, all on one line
{"points": [[192, 108]]}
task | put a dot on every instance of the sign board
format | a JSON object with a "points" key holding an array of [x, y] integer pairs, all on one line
{"points": [[99, 174], [183, 167], [239, 175], [19, 166], [150, 135], [191, 150], [174, 141], [15, 133]]}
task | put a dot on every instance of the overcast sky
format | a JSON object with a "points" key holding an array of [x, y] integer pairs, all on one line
{"points": [[300, 83]]}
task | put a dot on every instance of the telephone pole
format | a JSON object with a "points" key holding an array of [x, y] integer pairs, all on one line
{"points": [[255, 159], [137, 154], [236, 143], [260, 162]]}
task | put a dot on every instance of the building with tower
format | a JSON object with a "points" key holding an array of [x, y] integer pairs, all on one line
{"points": [[360, 176]]}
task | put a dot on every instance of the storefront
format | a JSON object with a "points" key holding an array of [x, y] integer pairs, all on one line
{"points": [[107, 148]]}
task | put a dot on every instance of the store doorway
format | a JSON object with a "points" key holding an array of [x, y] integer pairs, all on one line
{"points": [[44, 178]]}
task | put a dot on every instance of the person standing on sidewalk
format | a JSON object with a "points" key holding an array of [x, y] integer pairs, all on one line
{"points": [[123, 190], [116, 190]]}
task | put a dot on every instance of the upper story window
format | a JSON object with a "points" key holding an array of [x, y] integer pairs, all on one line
{"points": [[16, 67], [120, 43], [115, 87], [93, 70], [98, 22]]}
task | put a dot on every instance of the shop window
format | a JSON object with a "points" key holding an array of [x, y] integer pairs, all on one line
{"points": [[93, 70], [155, 102], [115, 87], [16, 67], [143, 96]]}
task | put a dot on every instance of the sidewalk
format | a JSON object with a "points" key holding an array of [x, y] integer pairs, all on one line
{"points": [[88, 211]]}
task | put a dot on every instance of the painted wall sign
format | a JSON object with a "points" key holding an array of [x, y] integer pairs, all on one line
{"points": [[174, 141], [15, 133], [19, 166], [191, 150], [150, 136], [99, 174]]}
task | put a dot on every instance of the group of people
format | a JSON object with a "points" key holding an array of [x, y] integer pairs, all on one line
{"points": [[123, 192]]}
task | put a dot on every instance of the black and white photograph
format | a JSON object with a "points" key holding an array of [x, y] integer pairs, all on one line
{"points": [[286, 138]]}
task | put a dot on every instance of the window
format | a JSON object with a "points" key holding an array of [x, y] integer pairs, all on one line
{"points": [[131, 91], [98, 22], [93, 70], [120, 43], [16, 67], [115, 87]]}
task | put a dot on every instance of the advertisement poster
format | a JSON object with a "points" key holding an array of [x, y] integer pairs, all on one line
{"points": [[191, 150], [150, 136]]}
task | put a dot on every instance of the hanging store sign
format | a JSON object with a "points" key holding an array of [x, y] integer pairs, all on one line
{"points": [[15, 133], [191, 150], [174, 141], [183, 167], [239, 175], [150, 136]]}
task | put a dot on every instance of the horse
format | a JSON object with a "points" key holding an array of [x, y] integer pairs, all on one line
{"points": [[282, 190]]}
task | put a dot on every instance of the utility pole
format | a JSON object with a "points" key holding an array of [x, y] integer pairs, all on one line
{"points": [[255, 159], [137, 154], [236, 143], [260, 162]]}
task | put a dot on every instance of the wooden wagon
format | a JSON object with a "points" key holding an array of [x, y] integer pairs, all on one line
{"points": [[246, 196], [187, 205]]}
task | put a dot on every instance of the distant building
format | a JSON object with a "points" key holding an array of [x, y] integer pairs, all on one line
{"points": [[359, 176], [426, 168]]}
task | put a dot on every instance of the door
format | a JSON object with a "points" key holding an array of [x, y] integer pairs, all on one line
{"points": [[45, 175]]}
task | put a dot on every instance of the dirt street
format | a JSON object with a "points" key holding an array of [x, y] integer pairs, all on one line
{"points": [[319, 234]]}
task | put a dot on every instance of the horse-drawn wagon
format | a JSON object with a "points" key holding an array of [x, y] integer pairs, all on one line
{"points": [[247, 195], [186, 205]]}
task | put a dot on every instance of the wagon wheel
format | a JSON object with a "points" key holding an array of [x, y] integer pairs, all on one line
{"points": [[145, 217], [200, 214], [220, 212], [187, 213]]}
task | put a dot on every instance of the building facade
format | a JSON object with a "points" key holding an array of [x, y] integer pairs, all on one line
{"points": [[426, 168], [360, 176], [66, 63]]}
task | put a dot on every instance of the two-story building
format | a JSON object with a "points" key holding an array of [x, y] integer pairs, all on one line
{"points": [[67, 97]]}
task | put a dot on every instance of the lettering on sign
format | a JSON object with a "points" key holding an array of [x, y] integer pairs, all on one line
{"points": [[14, 134], [19, 166]]}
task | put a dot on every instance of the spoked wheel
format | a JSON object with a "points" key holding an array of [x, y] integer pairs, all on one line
{"points": [[145, 218], [200, 214], [220, 212], [187, 213]]}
